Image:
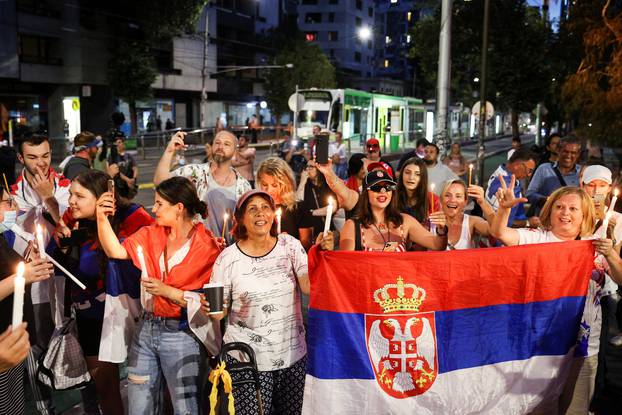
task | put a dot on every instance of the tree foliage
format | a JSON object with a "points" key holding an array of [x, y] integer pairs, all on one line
{"points": [[593, 93], [164, 19], [131, 72], [518, 76], [311, 69]]}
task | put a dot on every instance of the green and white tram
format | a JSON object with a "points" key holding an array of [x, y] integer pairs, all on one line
{"points": [[360, 115]]}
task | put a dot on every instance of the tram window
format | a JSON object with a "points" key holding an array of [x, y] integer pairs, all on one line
{"points": [[309, 116], [335, 116]]}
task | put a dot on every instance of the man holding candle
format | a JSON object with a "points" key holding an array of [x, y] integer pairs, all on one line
{"points": [[521, 165]]}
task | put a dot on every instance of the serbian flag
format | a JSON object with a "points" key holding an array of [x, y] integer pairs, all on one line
{"points": [[473, 331]]}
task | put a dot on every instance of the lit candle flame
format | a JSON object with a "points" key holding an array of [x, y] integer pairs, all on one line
{"points": [[21, 268]]}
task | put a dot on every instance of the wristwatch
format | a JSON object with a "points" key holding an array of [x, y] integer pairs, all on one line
{"points": [[443, 232]]}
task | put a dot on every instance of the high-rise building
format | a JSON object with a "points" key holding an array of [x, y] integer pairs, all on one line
{"points": [[344, 29]]}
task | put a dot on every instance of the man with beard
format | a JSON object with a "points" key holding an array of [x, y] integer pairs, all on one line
{"points": [[438, 173], [218, 183], [84, 149]]}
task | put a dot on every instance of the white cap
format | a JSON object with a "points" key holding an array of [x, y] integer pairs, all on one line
{"points": [[592, 173]]}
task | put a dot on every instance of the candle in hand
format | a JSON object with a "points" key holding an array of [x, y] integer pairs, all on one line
{"points": [[432, 185], [278, 220], [225, 218], [614, 199], [19, 284], [470, 173], [329, 215], [141, 261], [40, 244]]}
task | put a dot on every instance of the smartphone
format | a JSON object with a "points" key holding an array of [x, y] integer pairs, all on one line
{"points": [[321, 149], [599, 203], [111, 186]]}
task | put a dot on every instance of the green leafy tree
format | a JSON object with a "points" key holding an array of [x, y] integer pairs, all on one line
{"points": [[164, 19], [518, 76], [593, 93], [311, 69], [131, 72]]}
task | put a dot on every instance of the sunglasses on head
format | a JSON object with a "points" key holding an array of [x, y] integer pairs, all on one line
{"points": [[377, 188]]}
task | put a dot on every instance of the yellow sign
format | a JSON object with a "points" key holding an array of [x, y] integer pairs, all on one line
{"points": [[75, 104]]}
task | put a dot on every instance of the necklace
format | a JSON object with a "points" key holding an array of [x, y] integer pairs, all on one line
{"points": [[383, 226]]}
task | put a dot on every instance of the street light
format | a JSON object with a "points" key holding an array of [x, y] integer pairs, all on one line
{"points": [[364, 33]]}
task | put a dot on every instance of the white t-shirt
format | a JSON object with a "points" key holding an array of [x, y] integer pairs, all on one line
{"points": [[265, 310], [591, 321]]}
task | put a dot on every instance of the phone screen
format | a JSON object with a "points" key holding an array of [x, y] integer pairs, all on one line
{"points": [[321, 149]]}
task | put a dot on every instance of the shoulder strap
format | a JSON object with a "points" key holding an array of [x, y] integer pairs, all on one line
{"points": [[357, 236], [559, 176]]}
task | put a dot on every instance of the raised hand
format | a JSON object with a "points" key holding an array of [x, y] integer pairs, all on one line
{"points": [[438, 218], [477, 193], [177, 142], [505, 194], [326, 242], [105, 205]]}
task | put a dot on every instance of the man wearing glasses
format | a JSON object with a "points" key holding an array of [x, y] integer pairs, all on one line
{"points": [[551, 176], [521, 164]]}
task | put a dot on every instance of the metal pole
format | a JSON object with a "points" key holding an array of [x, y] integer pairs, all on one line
{"points": [[204, 74], [294, 125], [538, 124], [482, 94], [444, 75]]}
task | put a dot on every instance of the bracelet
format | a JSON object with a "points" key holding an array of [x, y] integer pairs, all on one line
{"points": [[444, 233]]}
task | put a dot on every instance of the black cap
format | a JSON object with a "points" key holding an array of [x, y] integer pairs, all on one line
{"points": [[378, 176]]}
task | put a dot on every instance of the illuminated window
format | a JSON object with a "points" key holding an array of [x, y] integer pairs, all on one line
{"points": [[407, 38], [393, 1], [409, 16], [386, 63], [387, 39]]}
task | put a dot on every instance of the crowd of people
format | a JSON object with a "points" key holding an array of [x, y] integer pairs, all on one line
{"points": [[223, 221]]}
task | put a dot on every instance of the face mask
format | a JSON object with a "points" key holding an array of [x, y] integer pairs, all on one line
{"points": [[10, 217]]}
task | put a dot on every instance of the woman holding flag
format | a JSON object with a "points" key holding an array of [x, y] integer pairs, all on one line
{"points": [[379, 226], [178, 253], [77, 236], [567, 215]]}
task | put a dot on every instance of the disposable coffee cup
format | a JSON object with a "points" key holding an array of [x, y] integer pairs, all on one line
{"points": [[214, 296]]}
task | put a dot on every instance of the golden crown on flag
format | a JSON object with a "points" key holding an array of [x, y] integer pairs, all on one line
{"points": [[401, 302]]}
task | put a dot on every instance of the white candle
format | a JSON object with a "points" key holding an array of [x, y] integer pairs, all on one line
{"points": [[614, 199], [19, 284], [141, 261], [225, 218], [40, 243], [470, 173], [278, 220], [28, 237], [329, 216]]}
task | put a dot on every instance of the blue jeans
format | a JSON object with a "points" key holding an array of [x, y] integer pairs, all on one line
{"points": [[161, 352]]}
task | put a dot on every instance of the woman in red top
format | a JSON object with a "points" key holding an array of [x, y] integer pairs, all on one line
{"points": [[179, 254]]}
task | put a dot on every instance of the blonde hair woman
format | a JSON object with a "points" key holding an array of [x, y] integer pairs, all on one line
{"points": [[569, 214], [275, 177]]}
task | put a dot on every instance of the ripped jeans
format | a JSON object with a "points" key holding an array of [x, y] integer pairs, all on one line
{"points": [[161, 352]]}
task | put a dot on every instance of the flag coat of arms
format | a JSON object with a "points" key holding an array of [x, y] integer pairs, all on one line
{"points": [[474, 331]]}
